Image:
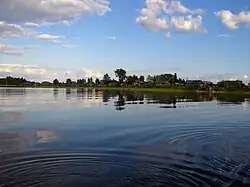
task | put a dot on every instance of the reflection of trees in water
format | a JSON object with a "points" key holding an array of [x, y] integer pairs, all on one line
{"points": [[168, 100], [134, 98], [90, 93], [84, 93], [80, 93], [171, 103], [68, 93], [55, 93], [164, 98], [98, 94], [230, 99], [12, 91], [105, 96], [195, 97], [159, 98], [120, 103]]}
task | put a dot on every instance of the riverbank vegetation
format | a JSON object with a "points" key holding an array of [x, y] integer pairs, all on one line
{"points": [[160, 83]]}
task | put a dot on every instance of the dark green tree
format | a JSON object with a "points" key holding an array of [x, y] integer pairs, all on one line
{"points": [[81, 81], [130, 79], [135, 78], [56, 82], [90, 80], [106, 79], [142, 78], [68, 81], [97, 81], [175, 78], [121, 74], [13, 81]]}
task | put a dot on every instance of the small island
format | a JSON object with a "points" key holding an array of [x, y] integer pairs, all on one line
{"points": [[156, 83]]}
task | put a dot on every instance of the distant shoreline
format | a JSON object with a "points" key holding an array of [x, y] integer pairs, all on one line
{"points": [[166, 90]]}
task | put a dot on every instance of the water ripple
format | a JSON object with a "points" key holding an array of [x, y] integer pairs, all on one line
{"points": [[118, 168]]}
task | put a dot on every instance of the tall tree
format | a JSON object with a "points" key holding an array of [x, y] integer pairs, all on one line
{"points": [[56, 82], [142, 78], [175, 78], [90, 80], [81, 81], [121, 74], [68, 81], [106, 78], [97, 81]]}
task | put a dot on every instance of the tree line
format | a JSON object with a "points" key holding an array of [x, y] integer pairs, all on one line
{"points": [[124, 80]]}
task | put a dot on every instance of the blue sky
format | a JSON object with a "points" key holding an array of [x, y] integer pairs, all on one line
{"points": [[196, 39]]}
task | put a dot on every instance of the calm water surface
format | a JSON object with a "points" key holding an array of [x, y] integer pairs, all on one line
{"points": [[80, 137]]}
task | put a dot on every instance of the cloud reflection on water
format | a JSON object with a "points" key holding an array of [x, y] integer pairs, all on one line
{"points": [[21, 141]]}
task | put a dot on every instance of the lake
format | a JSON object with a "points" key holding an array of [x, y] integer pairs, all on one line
{"points": [[88, 137]]}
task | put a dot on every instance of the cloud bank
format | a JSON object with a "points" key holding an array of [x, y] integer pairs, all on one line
{"points": [[11, 50], [40, 73], [19, 18], [49, 11]]}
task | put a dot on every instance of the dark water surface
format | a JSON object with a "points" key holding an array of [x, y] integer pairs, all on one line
{"points": [[80, 137]]}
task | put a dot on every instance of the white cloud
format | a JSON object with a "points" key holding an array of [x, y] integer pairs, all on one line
{"points": [[176, 6], [153, 23], [188, 24], [161, 15], [225, 76], [151, 15], [35, 72], [16, 31], [12, 50], [39, 11], [232, 21], [8, 30], [32, 24], [19, 18], [48, 37]]}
